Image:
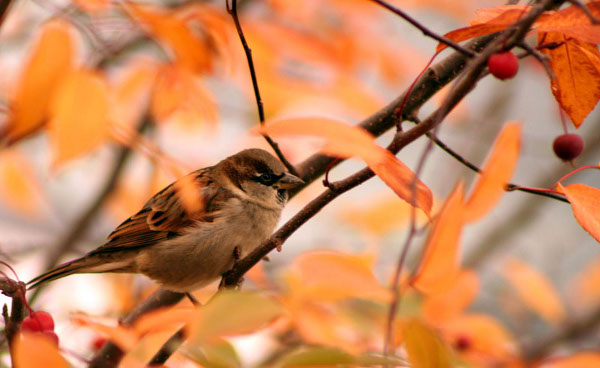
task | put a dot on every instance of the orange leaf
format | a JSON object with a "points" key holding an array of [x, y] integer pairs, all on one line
{"points": [[425, 348], [400, 178], [179, 94], [18, 185], [33, 350], [125, 338], [535, 290], [93, 6], [49, 62], [498, 170], [490, 343], [380, 214], [442, 307], [131, 92], [572, 22], [330, 276], [439, 267], [576, 65], [170, 29], [585, 286], [346, 141], [579, 360], [585, 202], [496, 24], [79, 112]]}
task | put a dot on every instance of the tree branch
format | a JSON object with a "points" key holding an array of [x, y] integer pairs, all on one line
{"points": [[259, 104], [88, 215], [431, 81]]}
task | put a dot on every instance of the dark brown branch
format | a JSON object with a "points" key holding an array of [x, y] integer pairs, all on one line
{"points": [[4, 5], [432, 81], [168, 348], [259, 104], [16, 291], [426, 31], [110, 355], [88, 215]]}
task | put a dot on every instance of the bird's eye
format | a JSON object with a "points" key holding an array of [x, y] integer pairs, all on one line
{"points": [[266, 178]]}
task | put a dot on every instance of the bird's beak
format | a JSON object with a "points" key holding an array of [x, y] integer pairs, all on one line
{"points": [[289, 181]]}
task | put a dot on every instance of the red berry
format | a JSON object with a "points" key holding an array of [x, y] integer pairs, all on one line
{"points": [[503, 65], [31, 325], [37, 322], [52, 336], [462, 343], [568, 146], [98, 343]]}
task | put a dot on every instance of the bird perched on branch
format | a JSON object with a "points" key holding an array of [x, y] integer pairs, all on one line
{"points": [[191, 232]]}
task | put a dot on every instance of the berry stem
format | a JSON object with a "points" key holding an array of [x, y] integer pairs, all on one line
{"points": [[575, 172]]}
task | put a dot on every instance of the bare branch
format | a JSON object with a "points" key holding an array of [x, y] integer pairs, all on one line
{"points": [[259, 104], [426, 31]]}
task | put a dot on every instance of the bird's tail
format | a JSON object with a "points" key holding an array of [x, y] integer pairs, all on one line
{"points": [[80, 265]]}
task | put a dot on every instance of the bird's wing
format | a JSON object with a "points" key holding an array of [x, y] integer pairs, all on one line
{"points": [[189, 200]]}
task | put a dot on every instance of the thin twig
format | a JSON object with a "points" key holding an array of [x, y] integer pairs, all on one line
{"points": [[259, 104], [377, 124], [543, 59], [426, 31], [394, 288], [509, 187]]}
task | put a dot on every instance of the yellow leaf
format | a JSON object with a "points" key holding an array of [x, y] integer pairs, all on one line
{"points": [[346, 141], [535, 290], [49, 62], [232, 313], [34, 350], [440, 265], [79, 112], [497, 171], [425, 348], [331, 275], [585, 202], [578, 360]]}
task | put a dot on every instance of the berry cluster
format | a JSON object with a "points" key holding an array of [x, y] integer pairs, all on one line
{"points": [[40, 322]]}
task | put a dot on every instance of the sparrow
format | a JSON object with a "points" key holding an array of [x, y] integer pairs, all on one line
{"points": [[191, 232]]}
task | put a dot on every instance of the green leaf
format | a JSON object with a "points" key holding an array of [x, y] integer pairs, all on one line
{"points": [[220, 354], [232, 313], [318, 356]]}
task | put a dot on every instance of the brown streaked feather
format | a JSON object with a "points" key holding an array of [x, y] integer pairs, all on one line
{"points": [[164, 217]]}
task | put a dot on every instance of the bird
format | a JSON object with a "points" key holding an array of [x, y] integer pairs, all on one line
{"points": [[193, 231]]}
